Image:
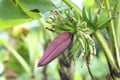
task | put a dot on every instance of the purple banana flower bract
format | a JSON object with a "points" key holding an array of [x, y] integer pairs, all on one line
{"points": [[58, 46]]}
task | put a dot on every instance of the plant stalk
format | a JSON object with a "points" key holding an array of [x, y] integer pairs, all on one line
{"points": [[105, 48], [19, 58], [73, 6], [107, 52], [113, 39], [117, 19], [117, 27]]}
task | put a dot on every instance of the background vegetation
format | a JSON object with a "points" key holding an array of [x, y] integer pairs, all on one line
{"points": [[24, 38]]}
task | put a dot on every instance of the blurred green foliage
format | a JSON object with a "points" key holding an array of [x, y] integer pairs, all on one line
{"points": [[30, 41]]}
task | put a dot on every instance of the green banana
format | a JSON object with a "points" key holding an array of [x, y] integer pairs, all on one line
{"points": [[68, 14], [96, 18], [103, 20], [90, 14], [69, 23], [68, 28], [82, 24], [85, 52], [75, 46], [90, 40], [82, 44], [103, 25], [91, 49], [58, 31], [76, 15], [85, 14]]}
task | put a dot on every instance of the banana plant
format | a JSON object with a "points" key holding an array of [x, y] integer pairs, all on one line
{"points": [[73, 33], [82, 25]]}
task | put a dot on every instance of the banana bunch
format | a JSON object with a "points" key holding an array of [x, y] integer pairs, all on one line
{"points": [[99, 20], [83, 44]]}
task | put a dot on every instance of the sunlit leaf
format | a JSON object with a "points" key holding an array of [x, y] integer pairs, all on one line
{"points": [[12, 14], [89, 3], [8, 10], [10, 23], [41, 5]]}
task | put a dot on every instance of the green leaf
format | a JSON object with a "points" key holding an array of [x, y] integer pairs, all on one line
{"points": [[14, 13], [29, 12], [41, 5], [89, 3], [10, 23], [8, 10], [11, 14]]}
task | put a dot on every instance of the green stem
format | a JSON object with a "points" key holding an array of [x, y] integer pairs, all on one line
{"points": [[117, 27], [113, 39], [19, 58], [73, 6], [117, 19], [105, 48]]}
